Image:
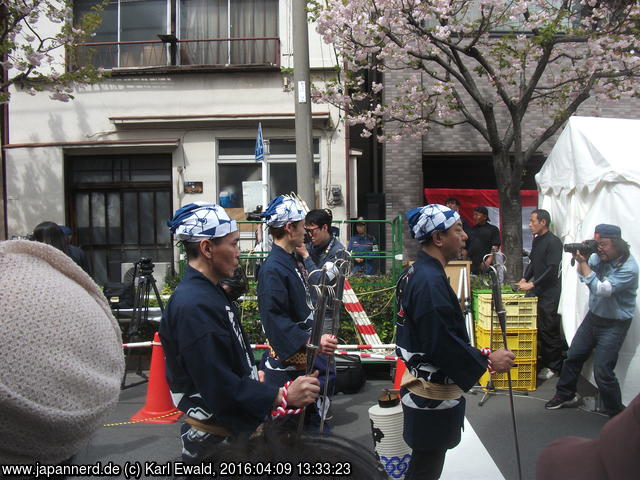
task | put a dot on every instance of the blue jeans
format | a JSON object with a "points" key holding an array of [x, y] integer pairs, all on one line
{"points": [[604, 337]]}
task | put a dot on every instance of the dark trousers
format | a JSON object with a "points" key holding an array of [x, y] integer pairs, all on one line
{"points": [[604, 337], [550, 335], [198, 446], [425, 465]]}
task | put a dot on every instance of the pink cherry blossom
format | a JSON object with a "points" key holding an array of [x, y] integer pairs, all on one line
{"points": [[491, 64], [26, 49]]}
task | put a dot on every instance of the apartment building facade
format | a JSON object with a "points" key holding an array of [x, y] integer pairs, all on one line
{"points": [[174, 122]]}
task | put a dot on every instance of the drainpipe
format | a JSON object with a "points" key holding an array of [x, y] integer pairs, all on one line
{"points": [[4, 140], [3, 169]]}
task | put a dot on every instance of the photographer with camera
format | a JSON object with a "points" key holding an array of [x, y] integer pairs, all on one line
{"points": [[611, 274], [541, 279]]}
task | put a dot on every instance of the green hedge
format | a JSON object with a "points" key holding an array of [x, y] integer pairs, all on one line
{"points": [[378, 305], [376, 294]]}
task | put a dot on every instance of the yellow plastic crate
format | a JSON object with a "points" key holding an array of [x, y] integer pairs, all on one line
{"points": [[523, 377], [521, 341], [521, 311]]}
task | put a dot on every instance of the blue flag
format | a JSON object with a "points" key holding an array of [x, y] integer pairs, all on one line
{"points": [[259, 145]]}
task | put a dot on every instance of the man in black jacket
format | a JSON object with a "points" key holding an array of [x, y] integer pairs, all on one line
{"points": [[542, 279], [484, 239]]}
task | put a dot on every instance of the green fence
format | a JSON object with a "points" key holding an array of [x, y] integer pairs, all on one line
{"points": [[376, 292]]}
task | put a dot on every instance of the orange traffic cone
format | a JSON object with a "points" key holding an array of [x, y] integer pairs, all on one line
{"points": [[400, 368], [159, 407]]}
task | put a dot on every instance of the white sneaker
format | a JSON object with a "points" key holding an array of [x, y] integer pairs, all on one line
{"points": [[546, 374]]}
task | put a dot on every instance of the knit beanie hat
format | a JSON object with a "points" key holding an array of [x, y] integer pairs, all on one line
{"points": [[62, 359]]}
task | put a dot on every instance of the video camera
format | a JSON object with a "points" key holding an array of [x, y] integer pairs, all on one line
{"points": [[585, 248], [144, 266], [255, 215]]}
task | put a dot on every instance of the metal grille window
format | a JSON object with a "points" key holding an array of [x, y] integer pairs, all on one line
{"points": [[118, 210]]}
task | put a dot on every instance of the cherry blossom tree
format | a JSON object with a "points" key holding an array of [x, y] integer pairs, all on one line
{"points": [[44, 59], [488, 64], [38, 52]]}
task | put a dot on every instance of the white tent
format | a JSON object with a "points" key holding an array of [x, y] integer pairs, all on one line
{"points": [[592, 176]]}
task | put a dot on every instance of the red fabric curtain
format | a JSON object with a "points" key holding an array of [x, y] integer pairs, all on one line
{"points": [[470, 198]]}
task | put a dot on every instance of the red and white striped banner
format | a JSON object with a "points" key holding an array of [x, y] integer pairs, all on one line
{"points": [[385, 346], [376, 356], [360, 318], [140, 344]]}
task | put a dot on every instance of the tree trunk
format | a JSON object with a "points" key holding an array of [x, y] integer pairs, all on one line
{"points": [[510, 216]]}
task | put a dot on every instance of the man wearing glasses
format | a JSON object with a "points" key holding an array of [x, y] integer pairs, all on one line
{"points": [[321, 246]]}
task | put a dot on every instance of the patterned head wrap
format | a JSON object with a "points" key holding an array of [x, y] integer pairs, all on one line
{"points": [[201, 220], [281, 210], [423, 221]]}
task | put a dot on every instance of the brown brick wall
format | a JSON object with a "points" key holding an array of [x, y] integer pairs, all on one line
{"points": [[403, 174]]}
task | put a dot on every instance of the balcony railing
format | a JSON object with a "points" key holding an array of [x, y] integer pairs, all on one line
{"points": [[173, 52]]}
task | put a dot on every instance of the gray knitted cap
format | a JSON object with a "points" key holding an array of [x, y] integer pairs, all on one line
{"points": [[62, 359]]}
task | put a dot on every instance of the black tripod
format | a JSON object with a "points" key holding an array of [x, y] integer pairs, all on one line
{"points": [[144, 284]]}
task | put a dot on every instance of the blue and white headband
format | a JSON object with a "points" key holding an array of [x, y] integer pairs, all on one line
{"points": [[281, 210], [423, 221], [200, 220]]}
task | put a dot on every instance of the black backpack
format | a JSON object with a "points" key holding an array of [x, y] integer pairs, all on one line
{"points": [[119, 295]]}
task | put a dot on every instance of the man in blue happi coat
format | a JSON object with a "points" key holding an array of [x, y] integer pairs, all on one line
{"points": [[282, 297], [434, 344], [209, 365]]}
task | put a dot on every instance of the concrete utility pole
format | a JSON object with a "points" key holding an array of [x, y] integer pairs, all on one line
{"points": [[4, 140], [302, 91]]}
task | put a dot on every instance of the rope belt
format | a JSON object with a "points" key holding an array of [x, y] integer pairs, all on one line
{"points": [[211, 428], [433, 391]]}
